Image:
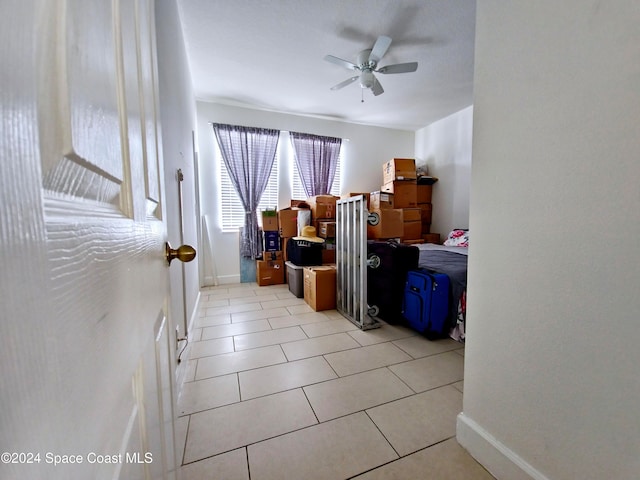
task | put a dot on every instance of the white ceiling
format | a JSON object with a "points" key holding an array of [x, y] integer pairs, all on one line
{"points": [[268, 54]]}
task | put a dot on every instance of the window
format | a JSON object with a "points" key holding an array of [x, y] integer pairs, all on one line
{"points": [[232, 209], [298, 189]]}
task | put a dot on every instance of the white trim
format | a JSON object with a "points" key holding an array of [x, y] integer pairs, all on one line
{"points": [[497, 458], [228, 279]]}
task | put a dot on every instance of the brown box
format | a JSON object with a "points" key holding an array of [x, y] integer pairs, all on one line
{"points": [[269, 221], [269, 272], [283, 244], [379, 200], [411, 230], [355, 194], [424, 193], [411, 215], [399, 169], [413, 242], [322, 206], [326, 229], [320, 287], [431, 238], [426, 211], [275, 255], [288, 222], [426, 228], [405, 194], [390, 224]]}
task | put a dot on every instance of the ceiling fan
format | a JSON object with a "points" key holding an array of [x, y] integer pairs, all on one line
{"points": [[367, 64]]}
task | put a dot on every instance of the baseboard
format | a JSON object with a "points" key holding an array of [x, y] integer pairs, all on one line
{"points": [[502, 462], [228, 279]]}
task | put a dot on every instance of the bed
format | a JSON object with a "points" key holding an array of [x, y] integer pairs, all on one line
{"points": [[450, 258]]}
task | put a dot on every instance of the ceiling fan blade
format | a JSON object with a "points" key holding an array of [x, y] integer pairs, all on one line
{"points": [[376, 88], [399, 68], [341, 62], [345, 83], [379, 49]]}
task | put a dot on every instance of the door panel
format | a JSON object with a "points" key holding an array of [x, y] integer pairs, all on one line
{"points": [[88, 367]]}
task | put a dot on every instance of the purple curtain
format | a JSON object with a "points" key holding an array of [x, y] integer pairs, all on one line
{"points": [[316, 158], [248, 154]]}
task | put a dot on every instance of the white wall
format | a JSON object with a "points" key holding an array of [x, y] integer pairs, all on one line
{"points": [[364, 153], [445, 148], [552, 353], [178, 118]]}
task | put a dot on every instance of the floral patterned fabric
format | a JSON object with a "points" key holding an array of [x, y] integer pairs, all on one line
{"points": [[457, 238]]}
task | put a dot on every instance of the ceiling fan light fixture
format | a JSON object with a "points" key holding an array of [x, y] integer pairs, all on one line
{"points": [[366, 79]]}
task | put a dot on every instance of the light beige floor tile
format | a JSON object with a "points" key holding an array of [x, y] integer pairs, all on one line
{"points": [[366, 358], [333, 450], [259, 314], [413, 423], [418, 346], [252, 299], [431, 372], [231, 329], [206, 348], [212, 320], [319, 329], [444, 461], [239, 361], [231, 293], [208, 393], [351, 394], [190, 373], [284, 302], [233, 426], [298, 309], [286, 294], [181, 426], [460, 351], [269, 337], [195, 334], [298, 319], [285, 376], [333, 314], [283, 287], [318, 346], [459, 386], [242, 307], [226, 466], [214, 303], [385, 333]]}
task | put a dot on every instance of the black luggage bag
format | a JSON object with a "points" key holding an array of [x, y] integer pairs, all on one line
{"points": [[388, 263], [304, 253]]}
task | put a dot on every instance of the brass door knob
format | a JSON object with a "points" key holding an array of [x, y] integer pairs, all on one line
{"points": [[184, 253]]}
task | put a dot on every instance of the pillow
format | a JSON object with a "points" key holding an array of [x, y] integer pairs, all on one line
{"points": [[457, 238]]}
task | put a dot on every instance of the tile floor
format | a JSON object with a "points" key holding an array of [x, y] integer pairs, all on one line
{"points": [[277, 391]]}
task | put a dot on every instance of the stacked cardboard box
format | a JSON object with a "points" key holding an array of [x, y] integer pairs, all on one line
{"points": [[270, 270], [320, 287]]}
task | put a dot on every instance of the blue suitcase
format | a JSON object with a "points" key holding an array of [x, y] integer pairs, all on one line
{"points": [[425, 303]]}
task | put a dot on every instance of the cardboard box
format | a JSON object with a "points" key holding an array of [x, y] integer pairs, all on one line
{"points": [[269, 272], [411, 215], [269, 221], [379, 200], [320, 287], [405, 194], [431, 238], [322, 206], [326, 229], [413, 242], [411, 230], [277, 255], [288, 222], [426, 228], [355, 194], [399, 169], [283, 242], [390, 224], [425, 212], [424, 193], [295, 279]]}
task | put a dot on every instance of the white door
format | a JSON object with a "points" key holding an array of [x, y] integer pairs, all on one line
{"points": [[86, 357]]}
